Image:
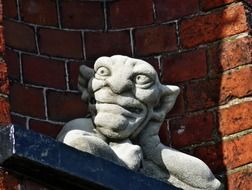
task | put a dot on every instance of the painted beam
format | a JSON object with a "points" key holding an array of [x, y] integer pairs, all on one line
{"points": [[59, 166]]}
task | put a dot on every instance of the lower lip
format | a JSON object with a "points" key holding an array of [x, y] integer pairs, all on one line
{"points": [[113, 108]]}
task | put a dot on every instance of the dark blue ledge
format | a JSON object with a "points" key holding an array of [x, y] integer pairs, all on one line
{"points": [[59, 166]]}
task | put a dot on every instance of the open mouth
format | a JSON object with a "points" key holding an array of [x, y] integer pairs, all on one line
{"points": [[128, 108]]}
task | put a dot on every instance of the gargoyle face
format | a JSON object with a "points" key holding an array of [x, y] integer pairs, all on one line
{"points": [[124, 89], [124, 94]]}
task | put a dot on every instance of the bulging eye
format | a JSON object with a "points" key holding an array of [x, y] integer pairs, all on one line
{"points": [[103, 71], [142, 79]]}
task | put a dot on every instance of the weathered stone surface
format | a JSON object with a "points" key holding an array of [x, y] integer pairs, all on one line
{"points": [[128, 105]]}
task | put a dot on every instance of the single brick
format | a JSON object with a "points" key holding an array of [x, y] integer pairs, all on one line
{"points": [[42, 71], [207, 93], [12, 61], [4, 112], [155, 40], [4, 84], [79, 14], [27, 101], [45, 128], [240, 180], [60, 43], [19, 36], [229, 154], [18, 120], [65, 106], [42, 12], [172, 9], [209, 4], [184, 66], [107, 44], [129, 13], [191, 129], [2, 41], [217, 25], [10, 8], [228, 55], [236, 84], [235, 118]]}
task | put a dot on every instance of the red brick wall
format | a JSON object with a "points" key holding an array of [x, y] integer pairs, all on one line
{"points": [[4, 85], [204, 46], [6, 181]]}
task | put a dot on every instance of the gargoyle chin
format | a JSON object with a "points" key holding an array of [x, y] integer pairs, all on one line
{"points": [[128, 104]]}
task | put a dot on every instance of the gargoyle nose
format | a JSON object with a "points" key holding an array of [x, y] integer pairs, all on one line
{"points": [[118, 85]]}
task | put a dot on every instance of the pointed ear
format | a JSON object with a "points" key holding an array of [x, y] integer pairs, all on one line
{"points": [[85, 74], [169, 94]]}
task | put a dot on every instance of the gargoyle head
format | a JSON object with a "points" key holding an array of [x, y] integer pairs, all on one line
{"points": [[124, 94]]}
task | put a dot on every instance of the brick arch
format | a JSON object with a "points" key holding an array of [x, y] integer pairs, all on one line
{"points": [[203, 46]]}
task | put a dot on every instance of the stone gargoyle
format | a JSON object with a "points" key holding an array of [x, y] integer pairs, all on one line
{"points": [[128, 105]]}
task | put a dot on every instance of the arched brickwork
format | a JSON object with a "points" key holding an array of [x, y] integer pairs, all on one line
{"points": [[203, 46]]}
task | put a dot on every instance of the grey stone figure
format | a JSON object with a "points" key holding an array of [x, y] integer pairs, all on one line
{"points": [[128, 105]]}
